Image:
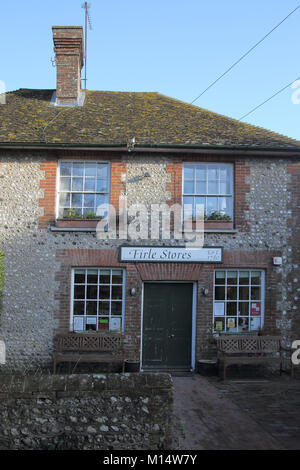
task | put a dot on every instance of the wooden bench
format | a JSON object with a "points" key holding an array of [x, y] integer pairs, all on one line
{"points": [[243, 349], [89, 347]]}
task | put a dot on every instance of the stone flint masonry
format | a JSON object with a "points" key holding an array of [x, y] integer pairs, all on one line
{"points": [[66, 152]]}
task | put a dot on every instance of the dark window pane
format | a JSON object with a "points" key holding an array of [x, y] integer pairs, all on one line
{"points": [[244, 308], [232, 277], [231, 293], [78, 308], [244, 293], [244, 278], [103, 308], [104, 276], [92, 276], [91, 292], [231, 308], [116, 308], [220, 277], [79, 292], [219, 293], [91, 308], [79, 276], [255, 277], [255, 293], [116, 292], [117, 277], [104, 292]]}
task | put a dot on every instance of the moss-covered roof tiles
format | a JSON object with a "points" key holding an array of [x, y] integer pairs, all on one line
{"points": [[113, 118]]}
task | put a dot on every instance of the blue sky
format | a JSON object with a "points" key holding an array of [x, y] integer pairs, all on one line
{"points": [[174, 47]]}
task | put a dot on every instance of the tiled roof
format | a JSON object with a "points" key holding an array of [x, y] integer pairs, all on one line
{"points": [[114, 118]]}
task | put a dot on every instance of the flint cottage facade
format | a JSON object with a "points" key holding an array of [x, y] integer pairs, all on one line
{"points": [[64, 153]]}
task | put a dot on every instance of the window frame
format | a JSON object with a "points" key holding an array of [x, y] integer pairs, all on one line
{"points": [[82, 161], [249, 301], [122, 316], [194, 195]]}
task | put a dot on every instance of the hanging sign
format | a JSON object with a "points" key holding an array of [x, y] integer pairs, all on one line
{"points": [[154, 254]]}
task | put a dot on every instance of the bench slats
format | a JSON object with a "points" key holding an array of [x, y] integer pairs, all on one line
{"points": [[243, 349], [79, 347]]}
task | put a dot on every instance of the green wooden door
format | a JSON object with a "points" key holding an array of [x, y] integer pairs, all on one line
{"points": [[167, 325]]}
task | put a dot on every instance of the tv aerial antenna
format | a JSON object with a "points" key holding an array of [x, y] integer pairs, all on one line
{"points": [[86, 7]]}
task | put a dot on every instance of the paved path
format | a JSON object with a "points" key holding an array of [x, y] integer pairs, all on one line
{"points": [[236, 415]]}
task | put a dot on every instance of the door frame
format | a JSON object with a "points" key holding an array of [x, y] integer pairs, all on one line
{"points": [[194, 310]]}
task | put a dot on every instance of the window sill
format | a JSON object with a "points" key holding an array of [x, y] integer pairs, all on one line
{"points": [[215, 226]]}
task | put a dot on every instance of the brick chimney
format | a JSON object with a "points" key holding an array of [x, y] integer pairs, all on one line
{"points": [[68, 48]]}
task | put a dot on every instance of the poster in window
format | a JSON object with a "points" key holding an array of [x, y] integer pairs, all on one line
{"points": [[255, 323], [230, 323], [103, 323], [219, 309], [78, 323], [219, 326], [91, 320], [255, 309], [115, 324]]}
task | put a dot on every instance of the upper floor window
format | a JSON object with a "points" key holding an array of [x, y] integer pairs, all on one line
{"points": [[83, 187], [209, 184]]}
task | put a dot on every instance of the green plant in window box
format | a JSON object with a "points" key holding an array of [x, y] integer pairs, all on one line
{"points": [[216, 215], [73, 214], [92, 215]]}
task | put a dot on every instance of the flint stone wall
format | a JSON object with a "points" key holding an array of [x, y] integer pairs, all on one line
{"points": [[27, 323], [86, 412]]}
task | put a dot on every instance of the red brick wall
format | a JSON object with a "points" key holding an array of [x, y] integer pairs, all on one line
{"points": [[48, 184]]}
